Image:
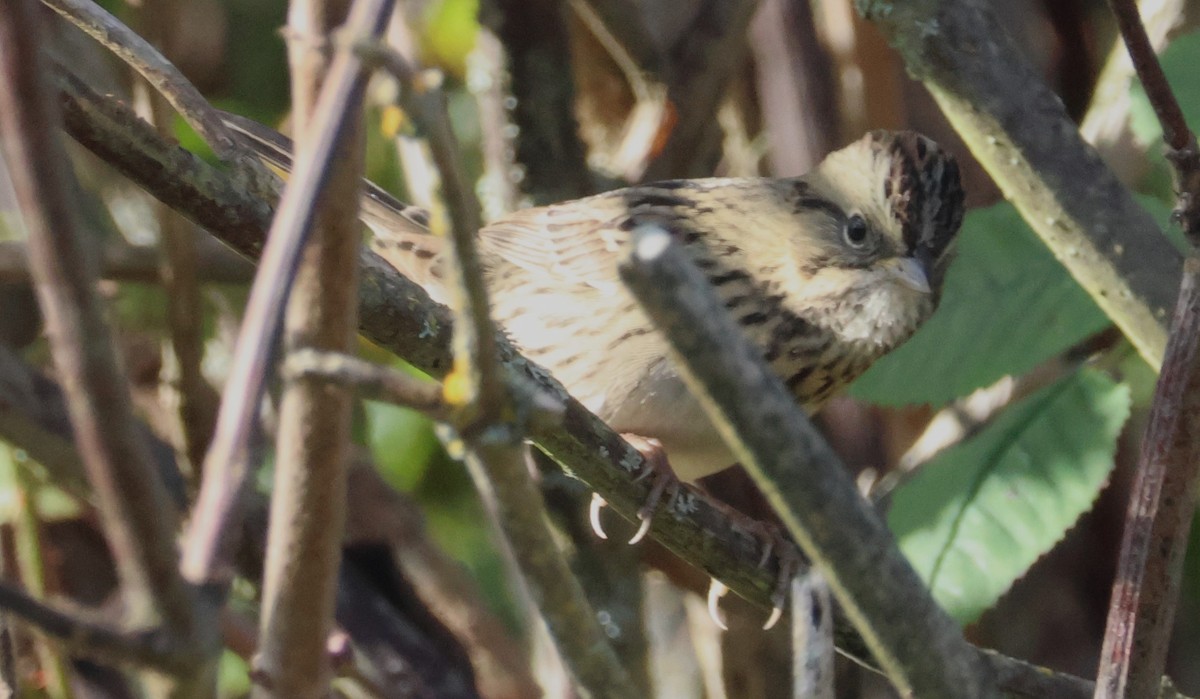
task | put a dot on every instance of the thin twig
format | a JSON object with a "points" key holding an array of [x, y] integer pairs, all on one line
{"points": [[196, 400], [488, 414], [620, 26], [209, 539], [1019, 130], [138, 517], [1106, 124], [1145, 595], [166, 79], [1028, 680], [373, 381], [1181, 142], [312, 447], [422, 98], [130, 263], [917, 644], [96, 639], [1149, 71], [399, 316], [398, 388]]}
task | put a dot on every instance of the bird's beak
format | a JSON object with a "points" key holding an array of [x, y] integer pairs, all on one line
{"points": [[909, 272]]}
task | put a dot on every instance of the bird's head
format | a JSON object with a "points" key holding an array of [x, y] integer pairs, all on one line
{"points": [[880, 218]]}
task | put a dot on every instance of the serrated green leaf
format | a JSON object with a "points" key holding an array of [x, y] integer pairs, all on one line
{"points": [[978, 515], [1007, 305]]}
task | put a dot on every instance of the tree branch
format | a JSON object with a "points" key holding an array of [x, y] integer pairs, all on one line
{"points": [[138, 517], [1145, 595], [216, 518], [399, 316], [1018, 129], [135, 263], [319, 210], [487, 417], [98, 640], [918, 645], [167, 80]]}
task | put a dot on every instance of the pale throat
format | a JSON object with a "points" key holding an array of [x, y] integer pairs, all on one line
{"points": [[876, 313]]}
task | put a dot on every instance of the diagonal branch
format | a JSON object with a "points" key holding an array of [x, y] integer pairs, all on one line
{"points": [[399, 316], [211, 534], [95, 639], [488, 418], [1145, 595], [165, 78], [1019, 130], [137, 513], [918, 645], [312, 446]]}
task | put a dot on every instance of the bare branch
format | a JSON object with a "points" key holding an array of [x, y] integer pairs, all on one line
{"points": [[1182, 150], [1106, 124], [1019, 130], [137, 513], [166, 79], [487, 415], [1145, 595], [98, 640], [918, 645], [308, 506], [130, 263], [399, 316], [216, 519]]}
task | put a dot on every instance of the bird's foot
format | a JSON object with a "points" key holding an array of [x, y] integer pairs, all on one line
{"points": [[775, 544], [663, 479]]}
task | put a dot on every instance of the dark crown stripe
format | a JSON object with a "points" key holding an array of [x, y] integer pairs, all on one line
{"points": [[924, 191]]}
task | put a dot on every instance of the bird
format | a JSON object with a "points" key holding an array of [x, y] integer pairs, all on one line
{"points": [[824, 272]]}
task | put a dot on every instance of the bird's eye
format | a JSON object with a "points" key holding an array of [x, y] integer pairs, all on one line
{"points": [[854, 232]]}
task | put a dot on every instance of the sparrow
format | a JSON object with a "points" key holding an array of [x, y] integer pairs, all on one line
{"points": [[825, 273]]}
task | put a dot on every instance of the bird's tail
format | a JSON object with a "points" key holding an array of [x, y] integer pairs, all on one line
{"points": [[402, 234]]}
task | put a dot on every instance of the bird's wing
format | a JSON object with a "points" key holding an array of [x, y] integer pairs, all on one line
{"points": [[569, 243]]}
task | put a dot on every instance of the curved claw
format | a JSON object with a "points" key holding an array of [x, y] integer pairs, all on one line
{"points": [[789, 565], [717, 590], [597, 504], [776, 615], [643, 529]]}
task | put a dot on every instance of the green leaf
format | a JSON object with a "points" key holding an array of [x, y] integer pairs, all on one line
{"points": [[402, 442], [450, 30], [51, 503], [978, 515], [1007, 305]]}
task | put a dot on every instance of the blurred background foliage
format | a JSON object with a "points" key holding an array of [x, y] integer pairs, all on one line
{"points": [[1013, 524]]}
